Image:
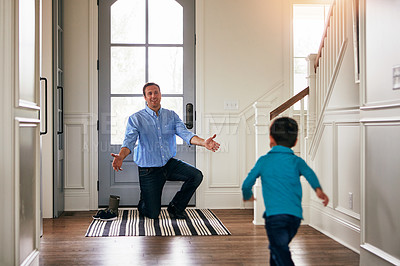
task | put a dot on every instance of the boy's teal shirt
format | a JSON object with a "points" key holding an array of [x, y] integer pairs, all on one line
{"points": [[280, 170]]}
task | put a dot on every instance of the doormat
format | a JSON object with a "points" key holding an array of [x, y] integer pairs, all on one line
{"points": [[199, 222]]}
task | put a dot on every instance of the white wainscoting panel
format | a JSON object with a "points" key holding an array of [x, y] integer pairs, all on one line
{"points": [[74, 158], [348, 169], [380, 60], [382, 183], [77, 162], [337, 163], [324, 164], [225, 164]]}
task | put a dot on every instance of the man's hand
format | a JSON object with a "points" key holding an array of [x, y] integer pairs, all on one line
{"points": [[117, 162], [322, 195], [211, 144], [119, 158]]}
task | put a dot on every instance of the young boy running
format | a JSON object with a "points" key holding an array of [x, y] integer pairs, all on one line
{"points": [[280, 170]]}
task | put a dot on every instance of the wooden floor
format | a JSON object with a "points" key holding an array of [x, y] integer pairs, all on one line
{"points": [[64, 243]]}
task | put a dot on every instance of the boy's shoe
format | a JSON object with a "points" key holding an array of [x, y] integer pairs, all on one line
{"points": [[108, 215], [98, 214], [175, 213]]}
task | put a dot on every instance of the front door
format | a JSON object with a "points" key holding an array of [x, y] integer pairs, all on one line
{"points": [[142, 41]]}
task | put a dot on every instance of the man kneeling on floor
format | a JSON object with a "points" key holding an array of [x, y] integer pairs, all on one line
{"points": [[155, 128]]}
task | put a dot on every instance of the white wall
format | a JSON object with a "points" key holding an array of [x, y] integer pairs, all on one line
{"points": [[380, 115], [80, 88], [337, 158], [239, 56], [382, 51], [242, 49], [358, 147]]}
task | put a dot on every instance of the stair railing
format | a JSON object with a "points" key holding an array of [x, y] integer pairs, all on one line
{"points": [[302, 116], [329, 52], [289, 103], [326, 68]]}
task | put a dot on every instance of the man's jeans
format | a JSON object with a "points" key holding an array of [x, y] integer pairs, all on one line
{"points": [[280, 230], [152, 180]]}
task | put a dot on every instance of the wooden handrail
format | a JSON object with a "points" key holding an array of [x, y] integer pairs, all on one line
{"points": [[327, 24], [286, 105]]}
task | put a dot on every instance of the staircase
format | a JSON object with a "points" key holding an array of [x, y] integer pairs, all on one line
{"points": [[326, 65], [323, 69]]}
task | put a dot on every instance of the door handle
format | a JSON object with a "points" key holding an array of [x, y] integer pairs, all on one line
{"points": [[189, 116], [61, 120], [45, 107]]}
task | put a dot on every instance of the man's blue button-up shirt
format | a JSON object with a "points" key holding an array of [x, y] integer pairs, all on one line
{"points": [[155, 135]]}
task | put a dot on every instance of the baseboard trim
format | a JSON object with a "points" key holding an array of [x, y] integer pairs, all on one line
{"points": [[369, 250], [77, 201], [223, 200], [336, 228], [32, 259]]}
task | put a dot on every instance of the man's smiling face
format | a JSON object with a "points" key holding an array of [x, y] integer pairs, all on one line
{"points": [[153, 97]]}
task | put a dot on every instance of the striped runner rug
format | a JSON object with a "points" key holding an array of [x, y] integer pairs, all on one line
{"points": [[202, 222]]}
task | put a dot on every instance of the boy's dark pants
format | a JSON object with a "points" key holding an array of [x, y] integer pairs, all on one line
{"points": [[280, 230], [152, 180]]}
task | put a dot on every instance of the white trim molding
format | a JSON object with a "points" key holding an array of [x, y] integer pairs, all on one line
{"points": [[376, 256]]}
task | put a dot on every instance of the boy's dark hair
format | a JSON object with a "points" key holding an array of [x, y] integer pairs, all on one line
{"points": [[149, 84], [284, 131]]}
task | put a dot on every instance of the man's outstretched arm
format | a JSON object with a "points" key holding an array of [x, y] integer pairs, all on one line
{"points": [[119, 158], [209, 144]]}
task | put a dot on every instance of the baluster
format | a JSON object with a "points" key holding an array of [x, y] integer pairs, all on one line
{"points": [[336, 30], [330, 49], [320, 78], [328, 71], [325, 69], [302, 153], [322, 84], [318, 91], [344, 20], [340, 22]]}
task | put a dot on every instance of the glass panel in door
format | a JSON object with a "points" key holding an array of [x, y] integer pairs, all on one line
{"points": [[141, 41]]}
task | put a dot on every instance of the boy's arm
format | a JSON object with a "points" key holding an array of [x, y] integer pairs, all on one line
{"points": [[312, 179], [322, 195], [249, 182], [252, 198]]}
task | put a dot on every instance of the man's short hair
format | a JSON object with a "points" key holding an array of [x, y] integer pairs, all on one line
{"points": [[149, 84], [284, 131]]}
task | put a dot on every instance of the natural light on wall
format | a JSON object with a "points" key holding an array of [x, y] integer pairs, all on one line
{"points": [[308, 27]]}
